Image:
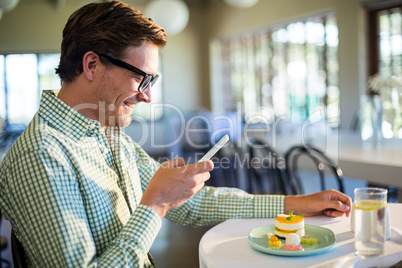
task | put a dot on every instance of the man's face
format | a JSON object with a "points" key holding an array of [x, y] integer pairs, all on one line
{"points": [[118, 92]]}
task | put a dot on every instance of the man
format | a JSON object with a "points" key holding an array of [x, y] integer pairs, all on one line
{"points": [[79, 192]]}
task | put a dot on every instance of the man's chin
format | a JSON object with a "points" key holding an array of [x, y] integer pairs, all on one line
{"points": [[123, 121]]}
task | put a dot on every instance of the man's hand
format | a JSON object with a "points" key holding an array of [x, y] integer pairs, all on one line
{"points": [[173, 183], [331, 203]]}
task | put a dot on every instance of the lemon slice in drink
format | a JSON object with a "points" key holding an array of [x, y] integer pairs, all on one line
{"points": [[369, 204]]}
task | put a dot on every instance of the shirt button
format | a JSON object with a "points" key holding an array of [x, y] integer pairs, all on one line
{"points": [[92, 125]]}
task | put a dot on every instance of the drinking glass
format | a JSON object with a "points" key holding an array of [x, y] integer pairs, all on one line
{"points": [[370, 220]]}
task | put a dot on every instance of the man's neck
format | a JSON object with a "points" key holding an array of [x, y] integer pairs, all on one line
{"points": [[77, 96]]}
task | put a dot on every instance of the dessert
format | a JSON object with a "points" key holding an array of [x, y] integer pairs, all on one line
{"points": [[292, 242], [289, 224]]}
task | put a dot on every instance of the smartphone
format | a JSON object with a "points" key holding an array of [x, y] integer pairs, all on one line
{"points": [[215, 148]]}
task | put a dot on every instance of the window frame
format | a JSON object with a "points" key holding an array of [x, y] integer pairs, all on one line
{"points": [[373, 33]]}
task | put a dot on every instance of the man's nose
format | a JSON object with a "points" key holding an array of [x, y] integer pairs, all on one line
{"points": [[145, 96]]}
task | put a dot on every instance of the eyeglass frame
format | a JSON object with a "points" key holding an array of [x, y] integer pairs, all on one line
{"points": [[148, 78]]}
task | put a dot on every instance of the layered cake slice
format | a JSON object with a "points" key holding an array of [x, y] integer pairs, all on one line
{"points": [[287, 224]]}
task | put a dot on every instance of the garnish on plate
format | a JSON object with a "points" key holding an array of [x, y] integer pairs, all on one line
{"points": [[292, 242], [309, 240], [274, 241]]}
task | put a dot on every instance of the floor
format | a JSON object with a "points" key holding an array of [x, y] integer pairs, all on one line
{"points": [[177, 246]]}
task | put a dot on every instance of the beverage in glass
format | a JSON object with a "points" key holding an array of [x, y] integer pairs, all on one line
{"points": [[370, 220]]}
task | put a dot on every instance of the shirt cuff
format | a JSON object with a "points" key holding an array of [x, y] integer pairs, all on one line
{"points": [[143, 227], [268, 206]]}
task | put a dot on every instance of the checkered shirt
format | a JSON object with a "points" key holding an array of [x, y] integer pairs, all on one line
{"points": [[71, 192]]}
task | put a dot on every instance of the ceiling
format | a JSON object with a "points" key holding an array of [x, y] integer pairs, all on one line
{"points": [[140, 2]]}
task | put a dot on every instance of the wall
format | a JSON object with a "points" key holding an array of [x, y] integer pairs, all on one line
{"points": [[33, 27]]}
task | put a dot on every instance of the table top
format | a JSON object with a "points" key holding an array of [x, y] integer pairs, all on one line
{"points": [[226, 245]]}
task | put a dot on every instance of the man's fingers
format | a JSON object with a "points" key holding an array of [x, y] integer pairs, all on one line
{"points": [[204, 166], [345, 200], [336, 208], [177, 162], [332, 213], [344, 203]]}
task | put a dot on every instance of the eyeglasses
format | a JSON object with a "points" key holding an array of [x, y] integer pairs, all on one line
{"points": [[148, 78]]}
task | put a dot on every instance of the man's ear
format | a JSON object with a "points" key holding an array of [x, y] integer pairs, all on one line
{"points": [[90, 63]]}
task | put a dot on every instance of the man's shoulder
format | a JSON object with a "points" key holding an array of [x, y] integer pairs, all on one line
{"points": [[37, 136]]}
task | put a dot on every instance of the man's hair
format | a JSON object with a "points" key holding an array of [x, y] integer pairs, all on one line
{"points": [[107, 28]]}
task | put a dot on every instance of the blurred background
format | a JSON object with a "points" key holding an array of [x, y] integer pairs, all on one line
{"points": [[228, 65]]}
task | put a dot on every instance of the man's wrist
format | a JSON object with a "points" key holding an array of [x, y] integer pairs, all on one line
{"points": [[289, 203], [161, 210]]}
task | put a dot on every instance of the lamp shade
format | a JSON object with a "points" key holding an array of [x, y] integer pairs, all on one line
{"points": [[172, 15], [241, 3], [7, 5]]}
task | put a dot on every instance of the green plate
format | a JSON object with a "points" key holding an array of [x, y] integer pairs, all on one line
{"points": [[258, 240]]}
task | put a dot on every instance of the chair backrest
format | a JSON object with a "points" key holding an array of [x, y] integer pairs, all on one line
{"points": [[19, 257], [3, 246], [266, 169], [320, 160]]}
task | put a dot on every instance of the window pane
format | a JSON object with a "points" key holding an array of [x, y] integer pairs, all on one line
{"points": [[22, 87], [48, 79], [390, 69]]}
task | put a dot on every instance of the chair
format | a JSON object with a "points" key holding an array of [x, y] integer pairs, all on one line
{"points": [[9, 133], [19, 258], [3, 246], [320, 160], [266, 169]]}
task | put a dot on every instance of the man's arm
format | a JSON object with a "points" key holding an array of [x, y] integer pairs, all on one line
{"points": [[209, 205], [46, 208]]}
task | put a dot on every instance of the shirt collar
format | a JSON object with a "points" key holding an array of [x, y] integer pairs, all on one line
{"points": [[64, 118]]}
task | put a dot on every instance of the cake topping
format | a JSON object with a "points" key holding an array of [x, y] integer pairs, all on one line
{"points": [[291, 216]]}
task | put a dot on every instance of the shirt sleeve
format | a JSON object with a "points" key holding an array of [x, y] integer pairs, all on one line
{"points": [[42, 198], [211, 205]]}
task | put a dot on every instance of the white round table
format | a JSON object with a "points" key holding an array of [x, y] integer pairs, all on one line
{"points": [[226, 245]]}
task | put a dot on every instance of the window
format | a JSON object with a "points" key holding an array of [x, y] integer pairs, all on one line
{"points": [[24, 76], [21, 77], [385, 60], [385, 39], [289, 71]]}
